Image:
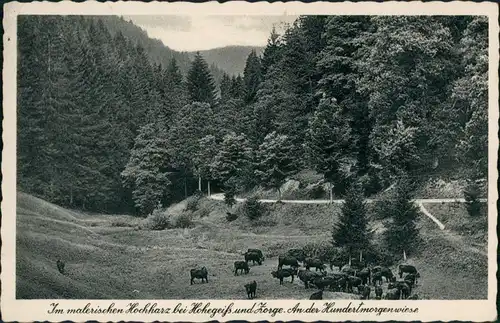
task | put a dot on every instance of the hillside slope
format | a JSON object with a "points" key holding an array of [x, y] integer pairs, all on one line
{"points": [[231, 59], [104, 251]]}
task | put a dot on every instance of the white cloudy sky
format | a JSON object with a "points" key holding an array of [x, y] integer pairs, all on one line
{"points": [[189, 33]]}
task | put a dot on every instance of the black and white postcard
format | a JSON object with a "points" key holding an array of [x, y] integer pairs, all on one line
{"points": [[249, 161]]}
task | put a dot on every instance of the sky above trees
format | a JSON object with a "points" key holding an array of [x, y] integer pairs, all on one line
{"points": [[190, 33]]}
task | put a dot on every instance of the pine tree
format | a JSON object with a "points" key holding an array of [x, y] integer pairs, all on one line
{"points": [[351, 231], [200, 83], [225, 88], [252, 76], [191, 123], [233, 163], [328, 142], [401, 235], [470, 94], [271, 54], [275, 161], [472, 202], [147, 170]]}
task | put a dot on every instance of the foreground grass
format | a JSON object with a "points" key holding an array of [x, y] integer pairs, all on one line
{"points": [[110, 261]]}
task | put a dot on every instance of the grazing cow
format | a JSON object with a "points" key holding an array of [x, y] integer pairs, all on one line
{"points": [[297, 254], [377, 277], [364, 291], [314, 262], [324, 281], [353, 281], [378, 292], [317, 295], [408, 269], [289, 261], [251, 289], [393, 294], [283, 273], [365, 275], [341, 282], [387, 273], [307, 276], [257, 251], [410, 279], [403, 287], [60, 266], [254, 257], [200, 274], [241, 265]]}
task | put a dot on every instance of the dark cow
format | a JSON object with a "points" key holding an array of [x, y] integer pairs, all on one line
{"points": [[317, 295], [393, 294], [408, 269], [402, 286], [410, 279], [377, 277], [365, 275], [241, 265], [60, 266], [314, 262], [257, 251], [283, 273], [387, 273], [378, 292], [254, 257], [364, 291], [413, 297], [199, 274], [297, 254], [307, 276], [324, 281], [251, 289], [353, 281], [289, 261], [341, 283]]}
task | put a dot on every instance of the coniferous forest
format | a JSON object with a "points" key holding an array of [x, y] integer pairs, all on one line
{"points": [[108, 124]]}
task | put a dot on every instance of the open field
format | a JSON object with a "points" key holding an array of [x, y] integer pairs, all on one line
{"points": [[109, 257]]}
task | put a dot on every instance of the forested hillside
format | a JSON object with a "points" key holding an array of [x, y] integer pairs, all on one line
{"points": [[230, 59], [155, 49], [355, 98]]}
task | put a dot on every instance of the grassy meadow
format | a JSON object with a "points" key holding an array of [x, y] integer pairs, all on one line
{"points": [[116, 257]]}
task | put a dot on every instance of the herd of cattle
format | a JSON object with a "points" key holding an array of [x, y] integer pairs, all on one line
{"points": [[352, 277]]}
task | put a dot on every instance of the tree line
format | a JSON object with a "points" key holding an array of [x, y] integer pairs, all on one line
{"points": [[359, 99]]}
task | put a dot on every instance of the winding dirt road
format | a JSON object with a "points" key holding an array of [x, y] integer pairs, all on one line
{"points": [[419, 202]]}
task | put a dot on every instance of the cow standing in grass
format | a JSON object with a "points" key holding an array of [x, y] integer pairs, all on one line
{"points": [[251, 289], [408, 269], [317, 295], [254, 257], [60, 266], [242, 266], [283, 273], [199, 274], [289, 261]]}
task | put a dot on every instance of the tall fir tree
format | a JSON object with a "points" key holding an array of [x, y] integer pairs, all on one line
{"points": [[351, 231], [401, 236], [328, 145], [275, 161], [252, 76], [200, 83]]}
